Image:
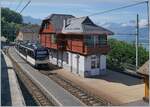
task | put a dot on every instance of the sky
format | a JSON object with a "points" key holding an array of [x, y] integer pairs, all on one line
{"points": [[42, 8]]}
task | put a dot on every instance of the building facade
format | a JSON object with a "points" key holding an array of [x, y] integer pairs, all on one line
{"points": [[76, 44], [28, 33]]}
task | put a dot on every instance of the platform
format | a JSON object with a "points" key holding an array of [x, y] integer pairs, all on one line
{"points": [[52, 90], [11, 94]]}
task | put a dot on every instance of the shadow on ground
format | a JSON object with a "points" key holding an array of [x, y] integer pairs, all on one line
{"points": [[118, 77], [48, 69], [5, 86]]}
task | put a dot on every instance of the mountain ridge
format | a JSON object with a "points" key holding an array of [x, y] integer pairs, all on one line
{"points": [[29, 19]]}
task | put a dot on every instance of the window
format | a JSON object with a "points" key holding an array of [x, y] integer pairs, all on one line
{"points": [[89, 41], [95, 62], [46, 25], [98, 61], [66, 57], [31, 53], [22, 50], [53, 38], [102, 39], [42, 54]]}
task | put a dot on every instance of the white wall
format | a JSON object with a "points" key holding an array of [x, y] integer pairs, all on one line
{"points": [[72, 61], [95, 71], [88, 62], [79, 64], [103, 62]]}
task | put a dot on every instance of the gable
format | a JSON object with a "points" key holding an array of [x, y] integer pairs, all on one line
{"points": [[88, 21], [56, 20], [84, 25]]}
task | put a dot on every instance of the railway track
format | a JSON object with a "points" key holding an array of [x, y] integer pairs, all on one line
{"points": [[86, 97], [37, 94]]}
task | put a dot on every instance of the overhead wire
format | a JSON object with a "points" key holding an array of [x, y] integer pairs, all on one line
{"points": [[25, 6], [18, 5], [119, 8]]}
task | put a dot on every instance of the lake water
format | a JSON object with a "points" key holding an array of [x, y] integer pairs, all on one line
{"points": [[143, 41]]}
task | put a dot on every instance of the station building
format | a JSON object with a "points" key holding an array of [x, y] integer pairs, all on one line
{"points": [[76, 44]]}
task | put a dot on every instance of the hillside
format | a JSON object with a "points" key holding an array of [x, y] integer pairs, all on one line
{"points": [[29, 19], [122, 30]]}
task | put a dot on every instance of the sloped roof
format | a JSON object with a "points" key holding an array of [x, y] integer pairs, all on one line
{"points": [[84, 25], [144, 69], [57, 20], [30, 29]]}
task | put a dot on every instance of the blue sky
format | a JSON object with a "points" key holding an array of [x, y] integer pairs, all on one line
{"points": [[42, 8]]}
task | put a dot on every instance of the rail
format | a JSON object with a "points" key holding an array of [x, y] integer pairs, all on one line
{"points": [[86, 97]]}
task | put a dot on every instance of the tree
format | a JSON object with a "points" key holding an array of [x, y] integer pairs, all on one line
{"points": [[11, 21], [11, 16], [122, 54]]}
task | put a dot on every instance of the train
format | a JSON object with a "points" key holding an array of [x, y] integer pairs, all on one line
{"points": [[33, 53]]}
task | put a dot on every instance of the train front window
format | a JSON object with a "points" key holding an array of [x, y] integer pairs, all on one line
{"points": [[42, 54]]}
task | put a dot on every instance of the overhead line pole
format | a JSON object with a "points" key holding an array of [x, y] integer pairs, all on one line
{"points": [[137, 41], [148, 12]]}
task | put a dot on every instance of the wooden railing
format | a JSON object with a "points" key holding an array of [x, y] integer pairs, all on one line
{"points": [[99, 49]]}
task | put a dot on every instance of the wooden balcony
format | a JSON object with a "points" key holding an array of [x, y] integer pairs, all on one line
{"points": [[103, 49]]}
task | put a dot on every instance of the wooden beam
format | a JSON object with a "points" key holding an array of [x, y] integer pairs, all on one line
{"points": [[146, 81]]}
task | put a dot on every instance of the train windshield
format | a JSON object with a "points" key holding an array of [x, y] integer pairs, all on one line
{"points": [[42, 54]]}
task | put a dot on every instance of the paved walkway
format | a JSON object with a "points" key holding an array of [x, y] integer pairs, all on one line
{"points": [[11, 92], [115, 87]]}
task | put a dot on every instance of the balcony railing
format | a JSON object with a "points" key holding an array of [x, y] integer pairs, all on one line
{"points": [[98, 49]]}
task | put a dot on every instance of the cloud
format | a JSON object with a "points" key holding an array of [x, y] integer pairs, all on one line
{"points": [[143, 23], [128, 24]]}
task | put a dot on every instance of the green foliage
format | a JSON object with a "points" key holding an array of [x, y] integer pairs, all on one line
{"points": [[11, 21], [11, 16], [122, 54]]}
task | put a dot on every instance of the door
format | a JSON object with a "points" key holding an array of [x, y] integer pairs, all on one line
{"points": [[78, 64]]}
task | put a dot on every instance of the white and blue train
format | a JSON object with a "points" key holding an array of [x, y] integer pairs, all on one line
{"points": [[34, 54]]}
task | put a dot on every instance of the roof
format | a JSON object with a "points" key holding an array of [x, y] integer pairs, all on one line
{"points": [[57, 20], [144, 69], [30, 29], [83, 25]]}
